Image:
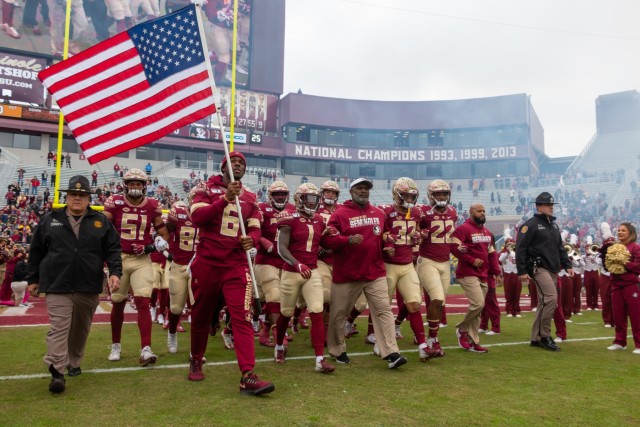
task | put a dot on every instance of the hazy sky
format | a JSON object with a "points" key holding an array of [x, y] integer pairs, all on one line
{"points": [[564, 53]]}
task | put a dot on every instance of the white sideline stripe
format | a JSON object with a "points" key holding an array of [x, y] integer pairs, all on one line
{"points": [[268, 360]]}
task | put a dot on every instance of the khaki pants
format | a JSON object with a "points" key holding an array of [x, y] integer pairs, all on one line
{"points": [[70, 316], [343, 298], [546, 285], [476, 291]]}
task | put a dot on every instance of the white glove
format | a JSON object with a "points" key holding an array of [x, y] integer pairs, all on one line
{"points": [[253, 252], [161, 244]]}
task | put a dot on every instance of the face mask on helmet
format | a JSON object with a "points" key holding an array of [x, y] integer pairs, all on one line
{"points": [[329, 197], [440, 199], [405, 200], [279, 199], [307, 204], [134, 193]]}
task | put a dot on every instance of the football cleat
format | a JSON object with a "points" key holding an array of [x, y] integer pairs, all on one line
{"points": [[324, 367], [477, 348], [165, 324], [343, 358], [114, 356], [279, 354], [422, 353], [433, 348], [160, 319], [349, 329], [265, 338], [370, 339], [398, 333], [195, 371], [172, 342], [147, 357], [179, 328], [254, 386], [227, 339], [463, 339]]}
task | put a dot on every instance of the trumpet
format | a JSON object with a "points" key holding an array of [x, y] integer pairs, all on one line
{"points": [[568, 247], [593, 249]]}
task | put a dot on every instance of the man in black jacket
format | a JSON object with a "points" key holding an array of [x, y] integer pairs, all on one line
{"points": [[66, 259], [540, 255]]}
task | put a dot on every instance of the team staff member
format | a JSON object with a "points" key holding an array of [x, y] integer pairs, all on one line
{"points": [[359, 267], [67, 255], [540, 255], [472, 244], [220, 268], [624, 286]]}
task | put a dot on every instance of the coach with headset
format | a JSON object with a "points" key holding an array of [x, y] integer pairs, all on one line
{"points": [[540, 255]]}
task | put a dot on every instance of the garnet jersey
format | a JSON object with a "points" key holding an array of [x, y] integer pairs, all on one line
{"points": [[304, 242], [219, 226], [327, 255], [183, 236], [438, 228], [401, 228], [269, 232], [133, 223], [158, 258]]}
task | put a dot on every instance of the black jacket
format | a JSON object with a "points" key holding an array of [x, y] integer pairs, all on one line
{"points": [[60, 263], [540, 238]]}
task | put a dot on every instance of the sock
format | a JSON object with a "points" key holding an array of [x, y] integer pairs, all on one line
{"points": [[154, 298], [117, 317], [434, 326], [25, 298], [281, 329], [174, 319], [353, 315], [163, 298], [317, 333], [415, 320], [319, 359], [144, 320], [296, 314]]}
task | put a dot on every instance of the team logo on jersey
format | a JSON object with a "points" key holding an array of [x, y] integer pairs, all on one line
{"points": [[268, 209], [524, 229], [188, 223], [125, 209], [97, 224], [376, 230], [215, 191], [119, 202], [182, 216], [436, 217], [303, 220], [393, 214]]}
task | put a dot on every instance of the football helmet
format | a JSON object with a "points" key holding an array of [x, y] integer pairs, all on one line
{"points": [[405, 192], [135, 174], [331, 186], [278, 194], [439, 186], [307, 199], [179, 211]]}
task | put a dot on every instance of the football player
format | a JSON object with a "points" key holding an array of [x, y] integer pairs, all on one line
{"points": [[220, 267], [268, 266], [133, 214], [402, 218], [433, 267], [160, 294], [182, 246], [299, 236]]}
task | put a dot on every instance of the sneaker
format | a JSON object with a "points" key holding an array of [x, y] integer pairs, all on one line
{"points": [[74, 372], [607, 325], [147, 357], [349, 329], [179, 328], [343, 358], [477, 348], [195, 371], [493, 333], [227, 339], [463, 339], [165, 324], [482, 331], [324, 367], [396, 360], [370, 339], [509, 315], [443, 325], [279, 354], [114, 356], [153, 313], [254, 386], [11, 32], [172, 342], [398, 333], [376, 350], [160, 319], [518, 315], [578, 314], [636, 351], [589, 309], [568, 320], [617, 347]]}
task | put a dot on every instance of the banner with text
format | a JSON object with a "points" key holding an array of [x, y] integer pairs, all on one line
{"points": [[19, 78]]}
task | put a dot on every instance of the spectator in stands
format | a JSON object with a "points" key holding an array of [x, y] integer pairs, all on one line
{"points": [[94, 178], [21, 177], [43, 178], [53, 178], [148, 168], [68, 158], [35, 183], [50, 158], [116, 170]]}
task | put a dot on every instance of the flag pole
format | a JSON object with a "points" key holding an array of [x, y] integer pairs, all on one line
{"points": [[65, 55], [216, 97], [234, 55]]}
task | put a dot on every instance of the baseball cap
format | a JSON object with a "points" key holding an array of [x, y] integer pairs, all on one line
{"points": [[231, 156], [360, 181], [545, 198]]}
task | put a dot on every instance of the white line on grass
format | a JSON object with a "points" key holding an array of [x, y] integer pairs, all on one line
{"points": [[233, 362]]}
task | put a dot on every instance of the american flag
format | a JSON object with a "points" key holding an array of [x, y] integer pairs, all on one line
{"points": [[135, 87]]}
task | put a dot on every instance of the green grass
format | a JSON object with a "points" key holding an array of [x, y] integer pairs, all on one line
{"points": [[583, 385]]}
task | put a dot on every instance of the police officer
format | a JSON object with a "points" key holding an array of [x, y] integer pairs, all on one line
{"points": [[541, 255]]}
